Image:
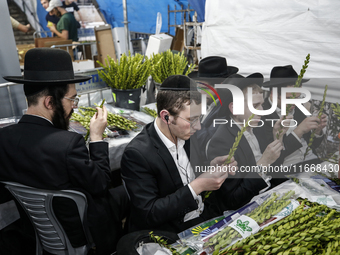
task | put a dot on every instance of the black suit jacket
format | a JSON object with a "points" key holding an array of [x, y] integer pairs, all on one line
{"points": [[242, 187], [158, 198], [290, 142], [35, 153]]}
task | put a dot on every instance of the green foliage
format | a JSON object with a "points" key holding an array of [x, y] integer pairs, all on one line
{"points": [[297, 84], [168, 63], [163, 243], [336, 110], [130, 72]]}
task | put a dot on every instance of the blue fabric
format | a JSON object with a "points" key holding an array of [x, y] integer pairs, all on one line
{"points": [[41, 12], [142, 14], [199, 7]]}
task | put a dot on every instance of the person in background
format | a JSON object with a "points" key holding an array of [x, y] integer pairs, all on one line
{"points": [[21, 27], [254, 151], [71, 6], [67, 25], [297, 137], [50, 18]]}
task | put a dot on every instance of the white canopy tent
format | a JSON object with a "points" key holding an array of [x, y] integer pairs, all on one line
{"points": [[255, 36]]}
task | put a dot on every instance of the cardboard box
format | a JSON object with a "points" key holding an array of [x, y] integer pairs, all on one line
{"points": [[40, 42], [178, 41], [105, 45], [157, 44], [61, 42]]}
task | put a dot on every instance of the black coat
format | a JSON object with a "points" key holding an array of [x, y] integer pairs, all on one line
{"points": [[35, 153], [158, 198], [242, 187], [290, 142]]}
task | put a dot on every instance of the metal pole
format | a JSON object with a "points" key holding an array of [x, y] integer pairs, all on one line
{"points": [[126, 26]]}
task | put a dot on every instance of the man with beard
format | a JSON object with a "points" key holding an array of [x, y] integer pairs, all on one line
{"points": [[40, 152], [67, 25]]}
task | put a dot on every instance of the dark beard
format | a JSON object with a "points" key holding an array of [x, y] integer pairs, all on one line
{"points": [[60, 121]]}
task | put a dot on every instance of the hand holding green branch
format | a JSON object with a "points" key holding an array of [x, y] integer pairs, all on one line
{"points": [[297, 85], [233, 148], [88, 131], [311, 139]]}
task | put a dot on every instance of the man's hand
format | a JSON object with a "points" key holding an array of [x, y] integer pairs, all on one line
{"points": [[219, 161], [271, 153], [279, 128], [322, 124], [98, 124], [213, 179], [307, 125], [53, 28]]}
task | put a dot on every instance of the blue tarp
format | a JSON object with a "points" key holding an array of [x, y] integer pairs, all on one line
{"points": [[142, 14]]}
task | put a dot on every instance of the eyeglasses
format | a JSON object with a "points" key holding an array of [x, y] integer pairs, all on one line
{"points": [[192, 121], [75, 101]]}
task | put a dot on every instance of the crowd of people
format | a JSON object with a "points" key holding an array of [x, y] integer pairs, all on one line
{"points": [[162, 188]]}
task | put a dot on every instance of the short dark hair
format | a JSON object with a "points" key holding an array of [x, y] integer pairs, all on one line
{"points": [[56, 91], [174, 101]]}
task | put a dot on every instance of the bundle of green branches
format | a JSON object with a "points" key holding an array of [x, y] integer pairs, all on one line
{"points": [[130, 72], [233, 148], [297, 85], [168, 63], [336, 110]]}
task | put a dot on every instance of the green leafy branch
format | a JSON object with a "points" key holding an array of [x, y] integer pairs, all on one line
{"points": [[162, 243], [130, 72], [233, 148], [336, 110], [297, 85], [88, 131], [311, 139], [168, 63]]}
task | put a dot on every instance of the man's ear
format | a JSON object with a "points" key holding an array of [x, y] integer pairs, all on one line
{"points": [[165, 115], [48, 103], [231, 107]]}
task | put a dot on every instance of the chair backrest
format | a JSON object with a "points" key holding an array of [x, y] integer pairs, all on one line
{"points": [[50, 235]]}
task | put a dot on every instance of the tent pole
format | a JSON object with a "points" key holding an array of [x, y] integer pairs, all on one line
{"points": [[126, 26]]}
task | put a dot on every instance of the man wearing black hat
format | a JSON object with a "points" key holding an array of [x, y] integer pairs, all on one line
{"points": [[40, 152], [297, 137], [211, 70], [157, 169], [254, 152]]}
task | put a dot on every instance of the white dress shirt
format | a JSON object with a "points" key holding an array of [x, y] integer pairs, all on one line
{"points": [[255, 148], [184, 169]]}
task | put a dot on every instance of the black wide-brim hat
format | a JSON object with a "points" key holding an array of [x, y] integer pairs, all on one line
{"points": [[282, 76], [241, 82], [47, 66], [213, 70]]}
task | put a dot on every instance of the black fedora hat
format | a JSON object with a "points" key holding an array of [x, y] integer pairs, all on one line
{"points": [[47, 66], [281, 76], [213, 70], [178, 82], [241, 82]]}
